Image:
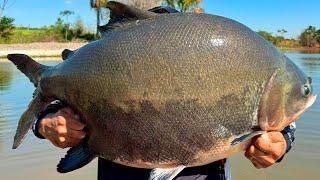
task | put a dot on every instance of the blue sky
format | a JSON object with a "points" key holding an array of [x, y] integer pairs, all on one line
{"points": [[268, 15]]}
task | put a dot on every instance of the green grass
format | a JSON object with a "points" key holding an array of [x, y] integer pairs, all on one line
{"points": [[25, 35]]}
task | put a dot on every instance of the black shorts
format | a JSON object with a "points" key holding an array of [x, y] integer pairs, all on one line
{"points": [[111, 171]]}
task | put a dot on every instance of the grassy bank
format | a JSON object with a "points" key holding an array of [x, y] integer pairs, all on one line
{"points": [[25, 35]]}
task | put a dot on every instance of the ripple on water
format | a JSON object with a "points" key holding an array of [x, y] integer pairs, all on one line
{"points": [[37, 158]]}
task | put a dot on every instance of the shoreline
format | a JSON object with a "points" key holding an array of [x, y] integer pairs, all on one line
{"points": [[302, 49], [53, 50], [39, 49]]}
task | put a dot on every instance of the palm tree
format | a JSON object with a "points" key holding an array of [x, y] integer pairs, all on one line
{"points": [[282, 32], [183, 5], [66, 13]]}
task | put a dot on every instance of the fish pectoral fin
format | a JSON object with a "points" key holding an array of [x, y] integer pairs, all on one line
{"points": [[27, 119], [75, 158], [121, 15], [245, 137], [165, 174], [67, 53]]}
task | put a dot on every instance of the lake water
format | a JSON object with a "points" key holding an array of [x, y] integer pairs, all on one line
{"points": [[37, 159]]}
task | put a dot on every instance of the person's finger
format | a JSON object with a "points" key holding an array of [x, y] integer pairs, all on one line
{"points": [[252, 151], [75, 134], [264, 161], [263, 143], [61, 130], [55, 142], [256, 164], [275, 136]]}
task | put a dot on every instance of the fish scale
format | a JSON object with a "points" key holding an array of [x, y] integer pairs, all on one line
{"points": [[163, 91]]}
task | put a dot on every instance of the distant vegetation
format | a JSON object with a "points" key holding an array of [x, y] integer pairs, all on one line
{"points": [[61, 31], [183, 5], [310, 37], [279, 40]]}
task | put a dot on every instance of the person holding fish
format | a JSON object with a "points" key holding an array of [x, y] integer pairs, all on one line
{"points": [[60, 125], [159, 112]]}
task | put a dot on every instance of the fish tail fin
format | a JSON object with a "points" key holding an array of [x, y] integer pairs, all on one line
{"points": [[27, 119], [28, 66]]}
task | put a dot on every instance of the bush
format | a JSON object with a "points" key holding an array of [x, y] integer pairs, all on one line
{"points": [[88, 36], [309, 37], [6, 26]]}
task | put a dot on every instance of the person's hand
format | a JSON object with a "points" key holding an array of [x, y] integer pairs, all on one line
{"points": [[266, 149], [62, 128]]}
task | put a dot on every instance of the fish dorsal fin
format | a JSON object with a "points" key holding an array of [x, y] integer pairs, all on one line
{"points": [[121, 15], [28, 66]]}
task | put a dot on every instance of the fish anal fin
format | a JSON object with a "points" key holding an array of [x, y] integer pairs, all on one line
{"points": [[75, 158], [165, 174], [27, 119]]}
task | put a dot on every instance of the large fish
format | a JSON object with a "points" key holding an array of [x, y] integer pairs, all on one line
{"points": [[169, 91]]}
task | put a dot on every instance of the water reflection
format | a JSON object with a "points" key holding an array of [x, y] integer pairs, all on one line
{"points": [[310, 63], [36, 155], [303, 51], [6, 76], [2, 126]]}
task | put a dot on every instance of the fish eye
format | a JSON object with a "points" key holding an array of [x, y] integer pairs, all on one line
{"points": [[306, 90]]}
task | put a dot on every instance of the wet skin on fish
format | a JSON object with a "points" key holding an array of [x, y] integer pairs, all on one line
{"points": [[160, 91]]}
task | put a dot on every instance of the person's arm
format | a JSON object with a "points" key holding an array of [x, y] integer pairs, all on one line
{"points": [[60, 125], [271, 147]]}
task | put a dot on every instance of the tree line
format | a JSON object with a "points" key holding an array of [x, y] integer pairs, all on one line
{"points": [[62, 30], [309, 37]]}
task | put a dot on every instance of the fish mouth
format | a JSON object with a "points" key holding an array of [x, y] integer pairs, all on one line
{"points": [[311, 99], [285, 119]]}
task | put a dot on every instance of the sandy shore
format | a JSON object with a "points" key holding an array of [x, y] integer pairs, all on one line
{"points": [[43, 49]]}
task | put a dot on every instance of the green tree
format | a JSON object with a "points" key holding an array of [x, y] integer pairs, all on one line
{"points": [[59, 29], [6, 26], [79, 27], [269, 37], [309, 37], [318, 36], [183, 5], [66, 13]]}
